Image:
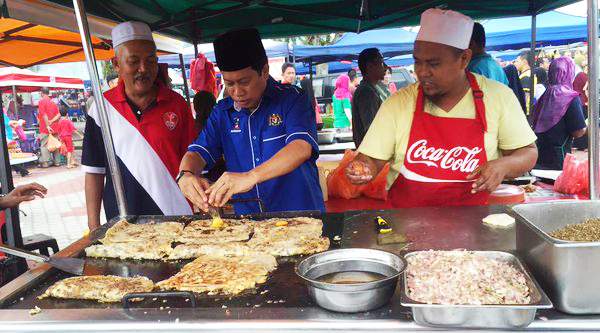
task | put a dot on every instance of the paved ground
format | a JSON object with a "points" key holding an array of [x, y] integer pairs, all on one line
{"points": [[61, 214]]}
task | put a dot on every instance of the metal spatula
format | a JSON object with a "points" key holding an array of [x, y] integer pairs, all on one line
{"points": [[69, 265]]}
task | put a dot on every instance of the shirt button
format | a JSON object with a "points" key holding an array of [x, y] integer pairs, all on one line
{"points": [[254, 137], [257, 160]]}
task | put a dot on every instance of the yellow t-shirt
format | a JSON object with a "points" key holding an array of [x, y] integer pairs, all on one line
{"points": [[507, 127]]}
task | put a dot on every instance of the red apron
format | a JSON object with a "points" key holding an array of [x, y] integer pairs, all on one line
{"points": [[441, 153]]}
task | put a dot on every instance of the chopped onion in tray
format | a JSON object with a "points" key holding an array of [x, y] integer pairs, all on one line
{"points": [[463, 277]]}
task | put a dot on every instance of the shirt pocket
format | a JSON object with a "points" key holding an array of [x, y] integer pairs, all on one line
{"points": [[273, 139]]}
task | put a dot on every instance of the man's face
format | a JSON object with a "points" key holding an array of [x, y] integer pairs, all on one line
{"points": [[245, 86], [376, 68], [438, 67], [545, 64], [519, 63], [289, 75], [137, 65]]}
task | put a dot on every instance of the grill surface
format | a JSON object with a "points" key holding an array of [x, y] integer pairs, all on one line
{"points": [[282, 289]]}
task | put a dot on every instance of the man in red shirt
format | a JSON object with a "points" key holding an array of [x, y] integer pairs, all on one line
{"points": [[48, 115], [151, 128]]}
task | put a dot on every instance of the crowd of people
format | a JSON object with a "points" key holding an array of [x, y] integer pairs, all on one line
{"points": [[450, 138]]}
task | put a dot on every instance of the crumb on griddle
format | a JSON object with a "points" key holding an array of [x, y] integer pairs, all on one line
{"points": [[35, 311]]}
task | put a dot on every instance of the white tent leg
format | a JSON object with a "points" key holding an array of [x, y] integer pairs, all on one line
{"points": [[594, 145]]}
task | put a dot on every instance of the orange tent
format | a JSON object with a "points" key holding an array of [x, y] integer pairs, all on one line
{"points": [[24, 44]]}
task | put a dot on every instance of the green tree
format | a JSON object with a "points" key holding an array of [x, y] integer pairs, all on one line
{"points": [[108, 69], [315, 40]]}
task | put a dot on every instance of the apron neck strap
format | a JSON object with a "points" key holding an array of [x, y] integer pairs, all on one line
{"points": [[477, 98]]}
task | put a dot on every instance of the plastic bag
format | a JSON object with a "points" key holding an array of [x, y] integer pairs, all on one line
{"points": [[338, 185], [575, 177], [376, 188], [202, 75], [53, 143]]}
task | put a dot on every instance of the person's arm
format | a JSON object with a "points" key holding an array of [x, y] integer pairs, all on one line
{"points": [[283, 162], [513, 164], [202, 153], [22, 193], [574, 119], [94, 186], [53, 120], [363, 169], [347, 109], [579, 133], [516, 142], [191, 184]]}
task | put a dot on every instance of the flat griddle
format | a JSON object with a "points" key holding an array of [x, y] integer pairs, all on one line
{"points": [[282, 289]]}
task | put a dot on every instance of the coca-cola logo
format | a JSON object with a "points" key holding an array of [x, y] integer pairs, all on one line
{"points": [[457, 158]]}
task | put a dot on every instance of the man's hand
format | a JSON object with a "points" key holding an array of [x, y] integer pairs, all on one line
{"points": [[359, 172], [50, 131], [193, 188], [23, 193], [229, 184], [488, 176]]}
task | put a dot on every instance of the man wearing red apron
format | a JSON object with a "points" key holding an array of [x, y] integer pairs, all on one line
{"points": [[454, 136]]}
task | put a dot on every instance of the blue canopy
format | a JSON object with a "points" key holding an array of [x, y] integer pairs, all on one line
{"points": [[390, 42], [274, 50], [552, 28]]}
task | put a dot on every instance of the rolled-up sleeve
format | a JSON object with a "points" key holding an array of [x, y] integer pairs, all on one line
{"points": [[93, 156], [209, 144], [300, 122]]}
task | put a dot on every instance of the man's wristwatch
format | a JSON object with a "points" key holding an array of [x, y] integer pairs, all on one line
{"points": [[181, 173]]}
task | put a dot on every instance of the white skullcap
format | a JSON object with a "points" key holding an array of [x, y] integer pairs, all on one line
{"points": [[446, 27], [131, 30]]}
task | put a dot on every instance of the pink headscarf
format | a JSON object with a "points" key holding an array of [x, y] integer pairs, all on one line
{"points": [[342, 87]]}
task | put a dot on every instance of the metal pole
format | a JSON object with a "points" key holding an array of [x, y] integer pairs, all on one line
{"points": [[185, 84], [531, 61], [14, 91], [195, 48], [594, 145], [310, 69], [90, 59]]}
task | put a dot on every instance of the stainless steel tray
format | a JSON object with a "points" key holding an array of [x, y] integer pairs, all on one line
{"points": [[480, 316], [568, 271]]}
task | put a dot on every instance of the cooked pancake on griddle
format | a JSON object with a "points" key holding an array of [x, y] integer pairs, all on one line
{"points": [[229, 249], [123, 232], [218, 274], [105, 289], [290, 247], [280, 229], [130, 250], [203, 232]]}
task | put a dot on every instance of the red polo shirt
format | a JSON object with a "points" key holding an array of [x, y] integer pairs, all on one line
{"points": [[47, 107], [167, 125]]}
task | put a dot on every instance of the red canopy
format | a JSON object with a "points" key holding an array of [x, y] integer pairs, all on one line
{"points": [[28, 81]]}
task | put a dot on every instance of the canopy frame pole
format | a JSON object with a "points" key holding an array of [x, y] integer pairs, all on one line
{"points": [[531, 61], [90, 59], [310, 69], [14, 93], [593, 112], [185, 84]]}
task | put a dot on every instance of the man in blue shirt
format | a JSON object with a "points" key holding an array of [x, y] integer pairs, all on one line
{"points": [[266, 132], [481, 62]]}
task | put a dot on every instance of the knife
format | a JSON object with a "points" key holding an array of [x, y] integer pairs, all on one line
{"points": [[69, 265]]}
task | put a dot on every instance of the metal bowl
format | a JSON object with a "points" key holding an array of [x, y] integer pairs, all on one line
{"points": [[326, 136], [351, 297]]}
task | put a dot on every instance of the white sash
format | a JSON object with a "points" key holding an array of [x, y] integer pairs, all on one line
{"points": [[143, 162]]}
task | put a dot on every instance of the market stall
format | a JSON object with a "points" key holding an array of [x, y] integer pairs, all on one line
{"points": [[283, 302]]}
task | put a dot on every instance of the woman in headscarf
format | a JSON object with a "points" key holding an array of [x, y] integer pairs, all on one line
{"points": [[558, 116], [342, 102]]}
